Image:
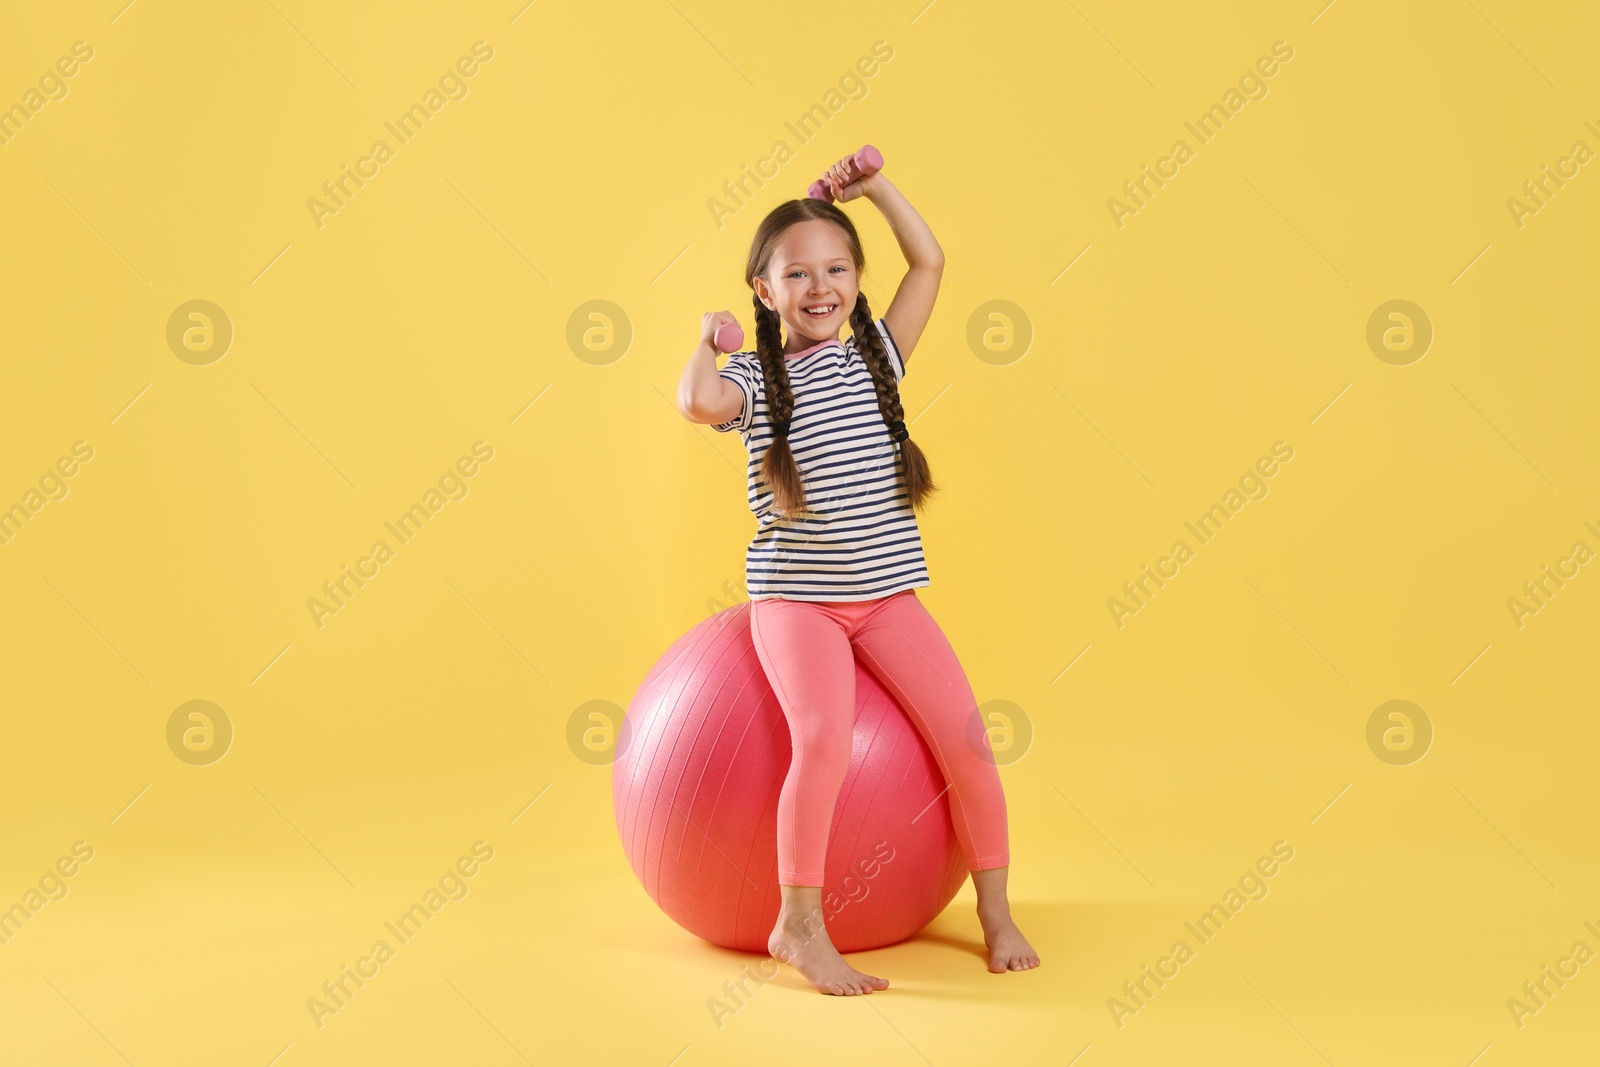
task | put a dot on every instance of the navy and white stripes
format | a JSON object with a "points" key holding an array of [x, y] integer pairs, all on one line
{"points": [[858, 539]]}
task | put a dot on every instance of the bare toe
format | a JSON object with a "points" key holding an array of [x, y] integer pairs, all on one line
{"points": [[1008, 949]]}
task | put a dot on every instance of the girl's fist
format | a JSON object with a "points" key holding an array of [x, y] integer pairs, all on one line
{"points": [[850, 177], [843, 189], [721, 331]]}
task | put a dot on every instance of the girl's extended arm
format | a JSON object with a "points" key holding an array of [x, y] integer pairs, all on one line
{"points": [[912, 305], [705, 396]]}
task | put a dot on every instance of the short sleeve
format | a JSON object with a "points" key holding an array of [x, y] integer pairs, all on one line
{"points": [[742, 371], [891, 348]]}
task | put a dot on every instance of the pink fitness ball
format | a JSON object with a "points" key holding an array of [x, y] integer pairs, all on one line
{"points": [[695, 793]]}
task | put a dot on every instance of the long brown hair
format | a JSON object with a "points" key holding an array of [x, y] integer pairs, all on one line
{"points": [[778, 467]]}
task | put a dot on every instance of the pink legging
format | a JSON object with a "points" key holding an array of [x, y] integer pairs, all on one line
{"points": [[805, 647]]}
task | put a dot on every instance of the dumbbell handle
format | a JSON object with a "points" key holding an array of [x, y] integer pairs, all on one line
{"points": [[867, 161], [728, 338]]}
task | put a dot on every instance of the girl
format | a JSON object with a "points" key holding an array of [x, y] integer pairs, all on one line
{"points": [[837, 556]]}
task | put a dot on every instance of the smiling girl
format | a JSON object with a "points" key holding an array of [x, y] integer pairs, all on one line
{"points": [[834, 479]]}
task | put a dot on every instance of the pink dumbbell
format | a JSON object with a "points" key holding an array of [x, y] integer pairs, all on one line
{"points": [[728, 338], [865, 162]]}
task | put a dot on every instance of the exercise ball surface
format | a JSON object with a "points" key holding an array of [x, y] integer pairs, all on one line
{"points": [[695, 790]]}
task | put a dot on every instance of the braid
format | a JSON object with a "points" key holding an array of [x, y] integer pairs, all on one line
{"points": [[919, 482], [778, 467]]}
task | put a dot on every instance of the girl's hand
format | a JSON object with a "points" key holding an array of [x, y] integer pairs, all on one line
{"points": [[709, 323], [844, 190]]}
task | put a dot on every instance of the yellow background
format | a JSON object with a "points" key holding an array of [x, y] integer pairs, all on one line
{"points": [[434, 311]]}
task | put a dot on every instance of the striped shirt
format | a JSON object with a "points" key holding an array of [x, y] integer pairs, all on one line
{"points": [[858, 539]]}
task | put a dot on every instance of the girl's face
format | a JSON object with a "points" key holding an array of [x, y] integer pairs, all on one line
{"points": [[811, 267]]}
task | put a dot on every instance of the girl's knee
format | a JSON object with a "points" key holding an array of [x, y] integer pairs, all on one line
{"points": [[822, 746]]}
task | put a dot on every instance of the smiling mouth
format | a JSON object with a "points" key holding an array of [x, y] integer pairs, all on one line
{"points": [[824, 312]]}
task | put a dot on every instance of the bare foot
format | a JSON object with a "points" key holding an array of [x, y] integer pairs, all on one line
{"points": [[1008, 949], [802, 941]]}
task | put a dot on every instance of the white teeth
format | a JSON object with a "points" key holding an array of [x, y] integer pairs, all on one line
{"points": [[827, 311]]}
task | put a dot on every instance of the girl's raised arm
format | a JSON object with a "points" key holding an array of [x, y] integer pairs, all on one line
{"points": [[912, 305]]}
